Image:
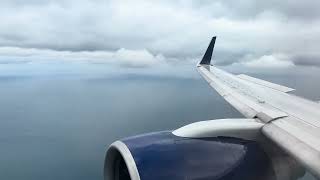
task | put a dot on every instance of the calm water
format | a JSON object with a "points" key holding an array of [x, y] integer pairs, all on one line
{"points": [[56, 121]]}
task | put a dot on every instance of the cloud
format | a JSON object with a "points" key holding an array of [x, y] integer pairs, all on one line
{"points": [[177, 31], [293, 9], [122, 57], [307, 59], [136, 58], [269, 61]]}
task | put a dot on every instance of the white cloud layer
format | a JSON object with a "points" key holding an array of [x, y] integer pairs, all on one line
{"points": [[176, 30], [269, 61], [123, 57]]}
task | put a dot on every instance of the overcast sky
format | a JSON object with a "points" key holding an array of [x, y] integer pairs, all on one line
{"points": [[142, 33]]}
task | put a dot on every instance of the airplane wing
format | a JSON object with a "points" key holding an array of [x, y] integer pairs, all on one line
{"points": [[293, 123], [279, 134]]}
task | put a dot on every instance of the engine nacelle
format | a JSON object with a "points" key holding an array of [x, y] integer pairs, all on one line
{"points": [[225, 149], [163, 155]]}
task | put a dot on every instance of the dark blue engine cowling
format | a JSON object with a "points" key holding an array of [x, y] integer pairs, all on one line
{"points": [[164, 156]]}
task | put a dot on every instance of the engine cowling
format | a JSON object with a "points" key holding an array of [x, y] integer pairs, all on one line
{"points": [[162, 155]]}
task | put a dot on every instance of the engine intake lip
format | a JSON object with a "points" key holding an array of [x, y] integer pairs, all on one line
{"points": [[119, 151]]}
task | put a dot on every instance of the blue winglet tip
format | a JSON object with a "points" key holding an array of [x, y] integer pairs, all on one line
{"points": [[206, 60]]}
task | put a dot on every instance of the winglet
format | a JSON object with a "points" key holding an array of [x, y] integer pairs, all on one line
{"points": [[208, 55]]}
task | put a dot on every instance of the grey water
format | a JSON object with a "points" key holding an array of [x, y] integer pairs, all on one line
{"points": [[57, 122]]}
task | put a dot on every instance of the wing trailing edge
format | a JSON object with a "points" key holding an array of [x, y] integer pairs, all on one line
{"points": [[266, 83]]}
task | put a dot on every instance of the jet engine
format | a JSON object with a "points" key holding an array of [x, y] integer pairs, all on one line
{"points": [[168, 156]]}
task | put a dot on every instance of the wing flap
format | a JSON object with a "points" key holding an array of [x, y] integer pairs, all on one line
{"points": [[266, 83]]}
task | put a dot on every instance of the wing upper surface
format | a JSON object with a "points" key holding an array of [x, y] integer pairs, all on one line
{"points": [[240, 94], [297, 138]]}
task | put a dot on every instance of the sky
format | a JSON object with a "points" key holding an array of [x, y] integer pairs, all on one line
{"points": [[65, 62], [142, 33]]}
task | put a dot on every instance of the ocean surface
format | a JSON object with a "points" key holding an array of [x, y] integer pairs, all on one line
{"points": [[57, 119]]}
